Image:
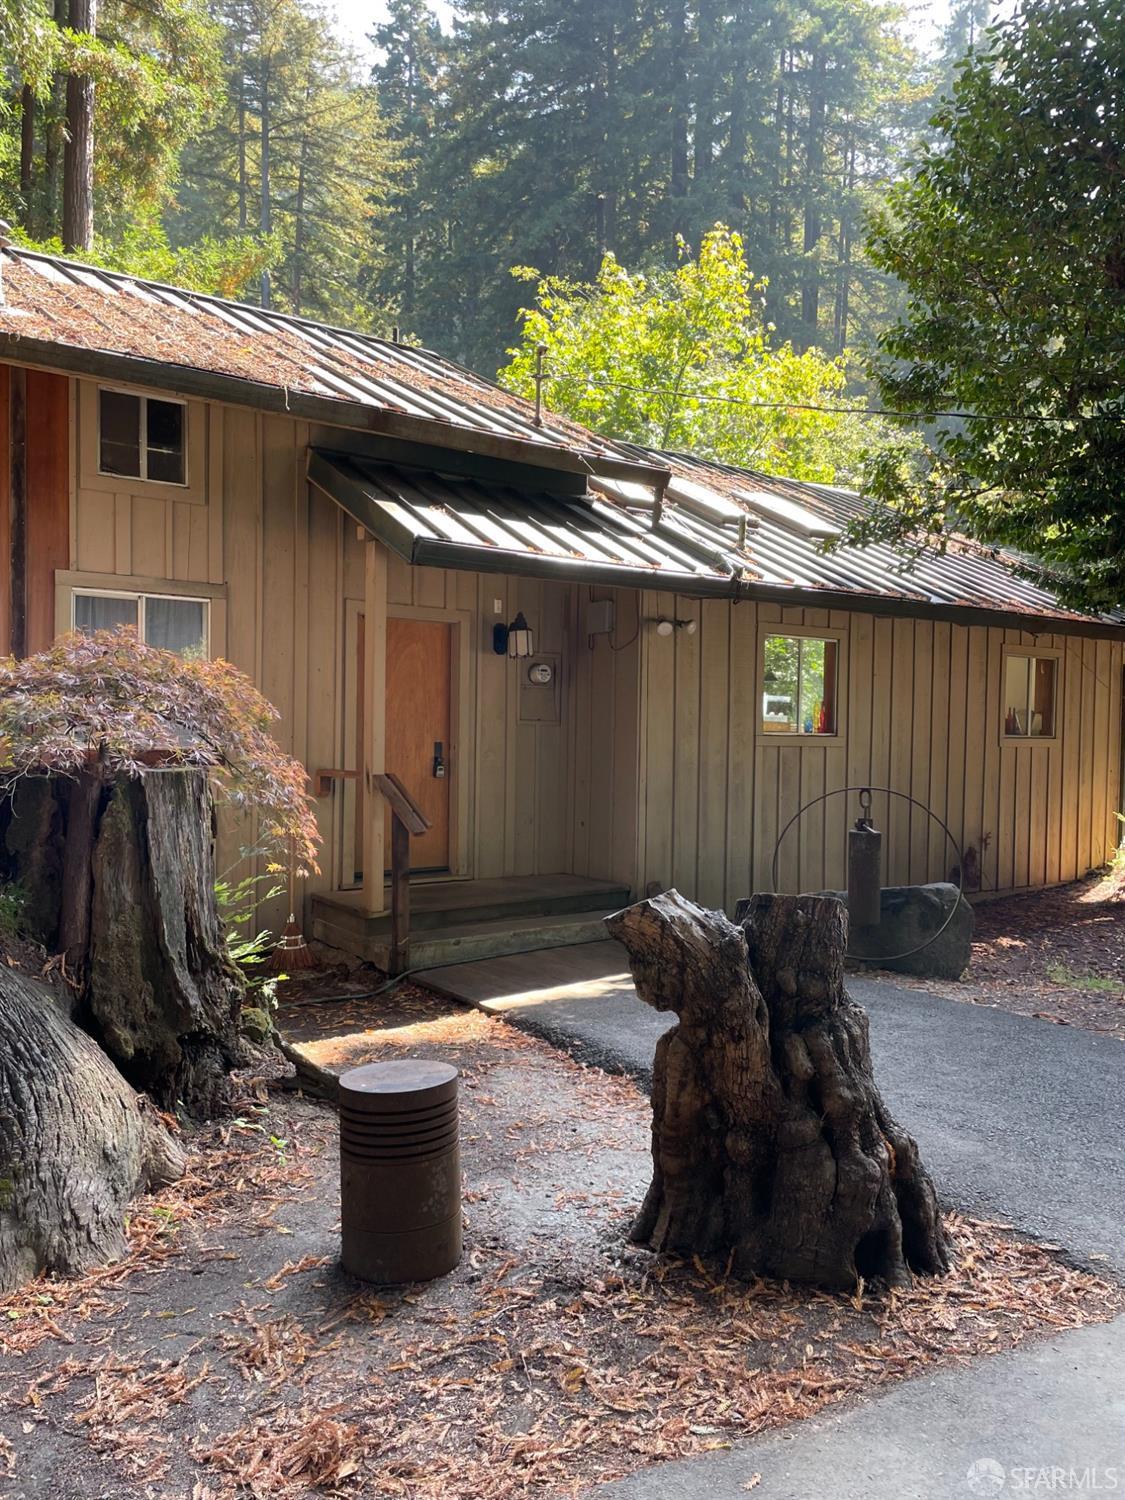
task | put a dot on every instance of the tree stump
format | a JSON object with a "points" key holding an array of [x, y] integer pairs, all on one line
{"points": [[76, 1143], [770, 1141], [120, 878], [163, 997]]}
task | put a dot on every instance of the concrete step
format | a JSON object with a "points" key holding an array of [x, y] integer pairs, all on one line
{"points": [[440, 905], [464, 942]]}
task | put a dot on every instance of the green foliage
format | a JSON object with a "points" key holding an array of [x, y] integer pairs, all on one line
{"points": [[110, 700], [408, 82], [682, 359], [299, 153], [13, 910], [564, 130], [155, 70], [249, 949], [1009, 237], [226, 267]]}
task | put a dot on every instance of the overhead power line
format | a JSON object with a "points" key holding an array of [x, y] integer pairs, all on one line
{"points": [[853, 411]]}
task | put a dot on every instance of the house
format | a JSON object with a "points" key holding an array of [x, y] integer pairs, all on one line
{"points": [[596, 668]]}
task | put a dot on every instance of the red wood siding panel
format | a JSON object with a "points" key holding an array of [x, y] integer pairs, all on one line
{"points": [[5, 514], [48, 499]]}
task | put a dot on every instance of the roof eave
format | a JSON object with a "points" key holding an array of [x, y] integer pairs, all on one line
{"points": [[186, 380]]}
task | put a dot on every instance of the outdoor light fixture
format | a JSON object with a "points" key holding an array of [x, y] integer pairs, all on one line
{"points": [[514, 640], [664, 626]]}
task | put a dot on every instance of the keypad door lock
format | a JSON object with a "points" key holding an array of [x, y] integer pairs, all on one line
{"points": [[439, 760]]}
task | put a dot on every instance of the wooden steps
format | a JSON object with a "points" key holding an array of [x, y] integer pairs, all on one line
{"points": [[462, 920]]}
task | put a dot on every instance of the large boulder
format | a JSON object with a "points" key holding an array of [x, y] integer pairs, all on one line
{"points": [[911, 915]]}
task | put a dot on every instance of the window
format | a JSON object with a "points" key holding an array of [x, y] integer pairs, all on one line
{"points": [[1029, 695], [161, 620], [141, 437], [799, 685]]}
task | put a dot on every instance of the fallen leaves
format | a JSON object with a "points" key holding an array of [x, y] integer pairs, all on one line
{"points": [[286, 1452], [557, 1356]]}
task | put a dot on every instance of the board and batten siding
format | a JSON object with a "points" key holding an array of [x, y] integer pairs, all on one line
{"points": [[652, 769], [919, 711], [283, 569]]}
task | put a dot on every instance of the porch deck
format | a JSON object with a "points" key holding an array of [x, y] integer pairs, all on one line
{"points": [[455, 920]]}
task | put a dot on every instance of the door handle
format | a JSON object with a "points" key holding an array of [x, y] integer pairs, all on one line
{"points": [[439, 760]]}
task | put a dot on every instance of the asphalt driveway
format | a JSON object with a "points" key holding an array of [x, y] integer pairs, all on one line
{"points": [[1018, 1120]]}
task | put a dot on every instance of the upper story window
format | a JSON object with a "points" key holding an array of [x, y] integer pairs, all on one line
{"points": [[799, 679], [1030, 686], [141, 437], [169, 621]]}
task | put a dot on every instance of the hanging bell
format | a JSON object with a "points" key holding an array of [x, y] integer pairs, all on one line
{"points": [[865, 868]]}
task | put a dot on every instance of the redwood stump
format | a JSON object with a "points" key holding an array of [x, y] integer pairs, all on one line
{"points": [[770, 1141], [76, 1143]]}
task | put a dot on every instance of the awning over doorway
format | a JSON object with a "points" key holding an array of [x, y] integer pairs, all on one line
{"points": [[444, 521]]}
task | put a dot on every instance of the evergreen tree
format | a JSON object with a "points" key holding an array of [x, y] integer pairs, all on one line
{"points": [[298, 152], [154, 72], [1010, 240], [408, 82], [567, 130]]}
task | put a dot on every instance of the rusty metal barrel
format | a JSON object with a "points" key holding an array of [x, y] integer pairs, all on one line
{"points": [[400, 1170]]}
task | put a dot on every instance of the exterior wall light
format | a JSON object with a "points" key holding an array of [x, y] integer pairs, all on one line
{"points": [[514, 640], [664, 626], [521, 638]]}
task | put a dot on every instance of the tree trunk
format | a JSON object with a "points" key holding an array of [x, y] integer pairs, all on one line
{"points": [[78, 154], [814, 189], [83, 803], [770, 1141], [27, 150], [76, 1143], [163, 997], [120, 877], [265, 206]]}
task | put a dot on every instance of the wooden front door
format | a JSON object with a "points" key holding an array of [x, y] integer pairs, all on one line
{"points": [[419, 667]]}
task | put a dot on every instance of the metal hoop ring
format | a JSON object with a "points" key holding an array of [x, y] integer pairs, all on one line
{"points": [[840, 791]]}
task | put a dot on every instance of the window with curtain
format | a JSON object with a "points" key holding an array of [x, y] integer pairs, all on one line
{"points": [[164, 620], [799, 680]]}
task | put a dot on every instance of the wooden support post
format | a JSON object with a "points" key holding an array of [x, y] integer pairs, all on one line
{"points": [[400, 895], [375, 729]]}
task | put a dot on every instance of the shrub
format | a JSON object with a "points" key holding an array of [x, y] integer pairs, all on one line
{"points": [[111, 702]]}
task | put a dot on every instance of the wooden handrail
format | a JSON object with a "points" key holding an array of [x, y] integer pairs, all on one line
{"points": [[406, 818]]}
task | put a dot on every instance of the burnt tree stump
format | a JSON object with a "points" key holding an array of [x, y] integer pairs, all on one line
{"points": [[770, 1141]]}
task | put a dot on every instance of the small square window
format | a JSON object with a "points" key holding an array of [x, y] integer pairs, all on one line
{"points": [[1029, 696], [176, 624], [799, 685], [141, 437]]}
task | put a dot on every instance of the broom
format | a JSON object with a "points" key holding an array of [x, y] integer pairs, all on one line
{"points": [[291, 951]]}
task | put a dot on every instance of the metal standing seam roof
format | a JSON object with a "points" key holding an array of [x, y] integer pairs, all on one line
{"points": [[612, 535], [69, 305], [966, 575], [616, 532]]}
